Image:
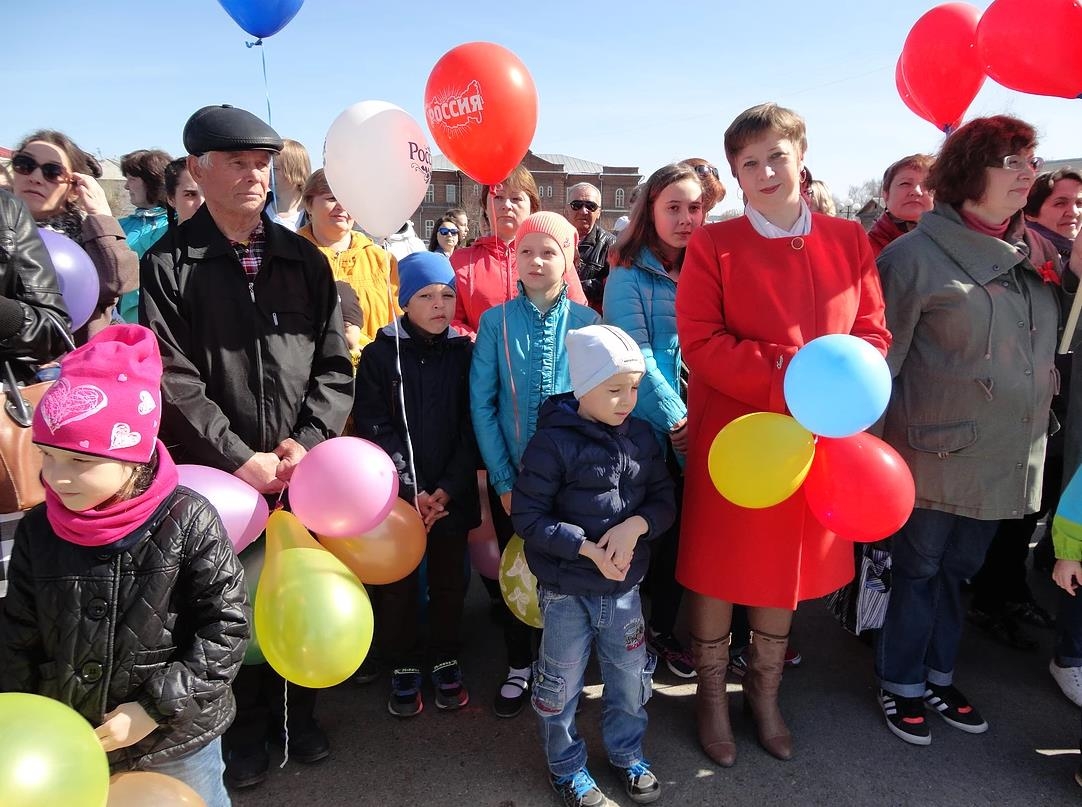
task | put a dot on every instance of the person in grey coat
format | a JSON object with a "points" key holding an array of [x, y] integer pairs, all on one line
{"points": [[971, 302]]}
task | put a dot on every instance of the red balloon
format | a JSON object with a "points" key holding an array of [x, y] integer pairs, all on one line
{"points": [[1049, 59], [909, 101], [481, 107], [859, 487], [940, 63]]}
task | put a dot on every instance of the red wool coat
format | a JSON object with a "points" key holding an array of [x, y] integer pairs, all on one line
{"points": [[744, 306]]}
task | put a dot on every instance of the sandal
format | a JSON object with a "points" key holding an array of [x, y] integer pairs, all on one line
{"points": [[510, 707]]}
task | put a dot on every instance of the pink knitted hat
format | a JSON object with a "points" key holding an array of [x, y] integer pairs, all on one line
{"points": [[558, 228], [107, 401]]}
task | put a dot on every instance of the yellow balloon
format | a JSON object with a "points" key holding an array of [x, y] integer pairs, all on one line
{"points": [[518, 584], [49, 755], [312, 614], [760, 459], [143, 788]]}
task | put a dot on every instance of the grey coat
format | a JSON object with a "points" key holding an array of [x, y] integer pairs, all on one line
{"points": [[974, 330]]}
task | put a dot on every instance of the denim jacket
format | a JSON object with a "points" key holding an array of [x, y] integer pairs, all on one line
{"points": [[519, 360]]}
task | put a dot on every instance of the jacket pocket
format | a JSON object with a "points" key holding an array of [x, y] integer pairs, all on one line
{"points": [[549, 693], [648, 677], [943, 438]]}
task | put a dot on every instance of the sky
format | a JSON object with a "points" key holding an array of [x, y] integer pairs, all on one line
{"points": [[630, 83]]}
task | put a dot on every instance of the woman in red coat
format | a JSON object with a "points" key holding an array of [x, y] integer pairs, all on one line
{"points": [[753, 291]]}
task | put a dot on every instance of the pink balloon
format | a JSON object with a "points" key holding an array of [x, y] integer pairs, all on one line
{"points": [[343, 487], [243, 510], [485, 552]]}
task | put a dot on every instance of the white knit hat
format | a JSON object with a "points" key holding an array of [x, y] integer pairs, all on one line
{"points": [[598, 352]]}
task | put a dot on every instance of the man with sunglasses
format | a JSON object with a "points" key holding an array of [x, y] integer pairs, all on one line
{"points": [[584, 211], [256, 369]]}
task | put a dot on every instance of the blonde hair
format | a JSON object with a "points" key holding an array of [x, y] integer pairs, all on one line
{"points": [[292, 166]]}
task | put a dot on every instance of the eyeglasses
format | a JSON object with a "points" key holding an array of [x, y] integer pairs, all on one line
{"points": [[25, 164], [706, 170], [579, 204], [447, 231], [1014, 162]]}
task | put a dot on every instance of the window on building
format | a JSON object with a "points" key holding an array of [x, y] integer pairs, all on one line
{"points": [[619, 198], [452, 194], [548, 191], [476, 191], [430, 194], [429, 225]]}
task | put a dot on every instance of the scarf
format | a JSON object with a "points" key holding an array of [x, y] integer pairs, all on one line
{"points": [[109, 523], [69, 223], [978, 226], [1062, 243], [767, 229]]}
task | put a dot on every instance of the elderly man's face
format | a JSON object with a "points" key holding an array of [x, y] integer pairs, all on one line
{"points": [[579, 212], [235, 181]]}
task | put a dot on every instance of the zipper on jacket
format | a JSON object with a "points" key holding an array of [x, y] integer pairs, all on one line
{"points": [[259, 375], [107, 662]]}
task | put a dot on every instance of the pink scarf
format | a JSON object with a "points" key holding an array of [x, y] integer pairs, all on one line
{"points": [[975, 224], [105, 525]]}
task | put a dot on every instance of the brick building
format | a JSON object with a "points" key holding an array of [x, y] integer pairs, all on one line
{"points": [[554, 174]]}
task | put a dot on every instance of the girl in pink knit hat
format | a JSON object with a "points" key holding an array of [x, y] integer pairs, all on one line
{"points": [[125, 601]]}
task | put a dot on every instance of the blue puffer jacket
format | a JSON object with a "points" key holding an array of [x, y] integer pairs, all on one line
{"points": [[519, 359], [641, 300], [141, 229], [580, 478]]}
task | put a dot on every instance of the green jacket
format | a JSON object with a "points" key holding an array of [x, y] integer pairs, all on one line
{"points": [[974, 328]]}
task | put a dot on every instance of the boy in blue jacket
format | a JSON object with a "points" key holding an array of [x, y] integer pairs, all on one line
{"points": [[592, 490]]}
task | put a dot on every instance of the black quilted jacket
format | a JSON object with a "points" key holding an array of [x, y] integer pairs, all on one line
{"points": [[163, 622]]}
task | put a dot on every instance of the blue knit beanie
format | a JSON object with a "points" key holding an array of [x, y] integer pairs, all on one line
{"points": [[420, 269]]}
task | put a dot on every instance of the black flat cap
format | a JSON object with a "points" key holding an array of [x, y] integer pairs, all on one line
{"points": [[227, 128]]}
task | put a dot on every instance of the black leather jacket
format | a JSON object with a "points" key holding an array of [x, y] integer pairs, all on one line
{"points": [[28, 280], [160, 617], [247, 363], [594, 264]]}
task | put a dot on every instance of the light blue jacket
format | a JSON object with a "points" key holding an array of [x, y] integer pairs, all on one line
{"points": [[519, 360], [143, 228], [641, 300]]}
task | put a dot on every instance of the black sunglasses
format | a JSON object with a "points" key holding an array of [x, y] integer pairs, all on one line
{"points": [[25, 164], [447, 231], [579, 204], [706, 170]]}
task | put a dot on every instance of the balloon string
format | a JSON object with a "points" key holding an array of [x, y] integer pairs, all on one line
{"points": [[266, 84], [285, 722], [507, 355]]}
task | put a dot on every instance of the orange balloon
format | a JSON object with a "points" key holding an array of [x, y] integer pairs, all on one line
{"points": [[387, 552], [141, 788]]}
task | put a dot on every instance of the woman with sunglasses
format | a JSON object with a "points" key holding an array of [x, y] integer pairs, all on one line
{"points": [[972, 302], [753, 290], [57, 181], [444, 238], [485, 271], [640, 298]]}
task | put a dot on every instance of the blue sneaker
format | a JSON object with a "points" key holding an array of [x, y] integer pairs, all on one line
{"points": [[450, 693], [405, 700], [579, 790], [640, 783]]}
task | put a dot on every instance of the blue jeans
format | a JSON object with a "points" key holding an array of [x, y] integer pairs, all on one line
{"points": [[930, 557], [572, 625], [201, 771]]}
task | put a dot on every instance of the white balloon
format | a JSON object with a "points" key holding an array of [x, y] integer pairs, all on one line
{"points": [[378, 164]]}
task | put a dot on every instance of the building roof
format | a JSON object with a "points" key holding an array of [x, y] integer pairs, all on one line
{"points": [[1055, 165]]}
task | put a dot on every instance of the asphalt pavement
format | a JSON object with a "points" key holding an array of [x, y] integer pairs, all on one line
{"points": [[843, 753]]}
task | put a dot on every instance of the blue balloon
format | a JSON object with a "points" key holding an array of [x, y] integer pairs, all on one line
{"points": [[262, 18], [837, 385]]}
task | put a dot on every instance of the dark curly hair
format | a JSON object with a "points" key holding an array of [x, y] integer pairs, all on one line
{"points": [[958, 171], [1043, 186]]}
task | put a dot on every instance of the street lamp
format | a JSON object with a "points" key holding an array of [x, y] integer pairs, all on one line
{"points": [[849, 208]]}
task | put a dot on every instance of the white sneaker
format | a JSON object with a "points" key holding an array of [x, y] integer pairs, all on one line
{"points": [[1069, 680]]}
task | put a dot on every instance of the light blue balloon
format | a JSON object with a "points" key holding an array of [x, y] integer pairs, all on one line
{"points": [[837, 385]]}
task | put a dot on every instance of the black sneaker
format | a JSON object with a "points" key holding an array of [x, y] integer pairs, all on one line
{"points": [[307, 742], [1030, 613], [447, 679], [405, 700], [905, 717], [1003, 628], [368, 671], [668, 649], [955, 709], [578, 790], [640, 783], [246, 768]]}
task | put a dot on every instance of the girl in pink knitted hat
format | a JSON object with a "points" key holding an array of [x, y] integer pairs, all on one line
{"points": [[125, 601]]}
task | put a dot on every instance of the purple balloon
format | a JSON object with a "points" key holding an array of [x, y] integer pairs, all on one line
{"points": [[244, 512], [76, 274]]}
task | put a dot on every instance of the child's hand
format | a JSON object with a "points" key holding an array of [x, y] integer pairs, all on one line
{"points": [[505, 500], [1067, 574], [601, 559], [619, 541], [679, 437], [126, 725]]}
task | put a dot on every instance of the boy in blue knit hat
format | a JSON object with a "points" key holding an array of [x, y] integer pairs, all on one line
{"points": [[421, 418]]}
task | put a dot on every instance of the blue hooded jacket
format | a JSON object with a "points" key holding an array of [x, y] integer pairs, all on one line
{"points": [[580, 478]]}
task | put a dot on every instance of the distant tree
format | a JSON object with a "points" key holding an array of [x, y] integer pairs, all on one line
{"points": [[870, 189]]}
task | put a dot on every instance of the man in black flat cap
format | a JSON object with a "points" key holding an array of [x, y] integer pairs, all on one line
{"points": [[256, 368]]}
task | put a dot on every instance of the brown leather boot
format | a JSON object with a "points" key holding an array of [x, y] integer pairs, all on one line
{"points": [[766, 659], [712, 700]]}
